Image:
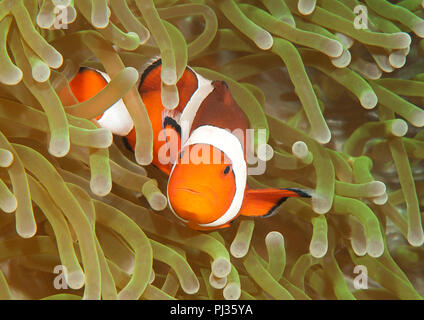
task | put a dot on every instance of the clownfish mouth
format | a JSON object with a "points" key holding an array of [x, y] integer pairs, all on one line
{"points": [[200, 190], [189, 190], [196, 204]]}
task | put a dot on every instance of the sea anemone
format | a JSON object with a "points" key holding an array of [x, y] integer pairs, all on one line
{"points": [[338, 85]]}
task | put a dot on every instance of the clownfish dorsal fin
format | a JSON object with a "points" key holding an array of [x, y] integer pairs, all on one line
{"points": [[150, 79], [264, 202], [219, 109], [222, 87]]}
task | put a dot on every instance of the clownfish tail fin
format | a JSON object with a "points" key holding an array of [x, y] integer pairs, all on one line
{"points": [[292, 192]]}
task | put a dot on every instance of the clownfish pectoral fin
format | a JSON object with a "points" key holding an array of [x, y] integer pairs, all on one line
{"points": [[264, 202]]}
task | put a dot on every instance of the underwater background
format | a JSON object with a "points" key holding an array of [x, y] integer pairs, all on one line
{"points": [[337, 84]]}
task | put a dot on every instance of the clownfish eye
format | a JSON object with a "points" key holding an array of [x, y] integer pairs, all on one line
{"points": [[227, 169]]}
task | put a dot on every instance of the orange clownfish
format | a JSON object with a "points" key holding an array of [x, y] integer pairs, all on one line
{"points": [[207, 186]]}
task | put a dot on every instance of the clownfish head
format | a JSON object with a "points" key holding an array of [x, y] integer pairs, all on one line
{"points": [[202, 185], [207, 186]]}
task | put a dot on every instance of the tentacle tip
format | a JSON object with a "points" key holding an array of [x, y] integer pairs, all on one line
{"points": [[143, 159], [13, 78], [158, 201], [56, 61], [221, 267], [397, 60], [263, 40], [104, 139], [404, 39], [375, 248], [300, 149], [170, 99], [323, 137], [232, 291], [419, 29], [369, 100], [75, 279], [7, 159], [376, 188], [43, 21], [320, 205], [265, 152], [216, 282], [59, 147], [168, 76], [10, 204], [399, 128], [27, 231], [274, 238], [306, 7], [192, 286], [334, 48], [380, 200], [238, 249], [343, 61], [145, 38], [41, 73], [318, 249], [417, 118], [132, 72], [346, 40], [359, 248], [416, 238], [100, 21], [136, 38], [100, 185]]}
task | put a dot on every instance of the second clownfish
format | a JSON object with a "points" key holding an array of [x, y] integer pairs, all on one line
{"points": [[207, 186]]}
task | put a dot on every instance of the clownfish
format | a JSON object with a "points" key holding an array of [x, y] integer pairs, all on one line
{"points": [[207, 184]]}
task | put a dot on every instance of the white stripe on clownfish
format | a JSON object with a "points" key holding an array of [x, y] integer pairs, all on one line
{"points": [[116, 118], [186, 117], [231, 146]]}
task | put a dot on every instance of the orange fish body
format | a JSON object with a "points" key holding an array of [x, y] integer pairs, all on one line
{"points": [[201, 145]]}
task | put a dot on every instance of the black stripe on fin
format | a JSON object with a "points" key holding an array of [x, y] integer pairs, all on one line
{"points": [[84, 68], [147, 71], [271, 211], [127, 144], [173, 123], [301, 193]]}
